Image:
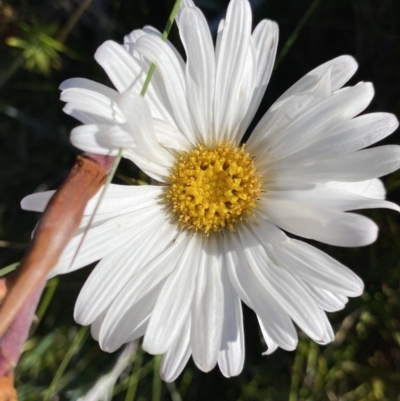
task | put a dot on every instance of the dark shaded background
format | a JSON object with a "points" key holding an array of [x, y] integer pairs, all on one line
{"points": [[364, 361]]}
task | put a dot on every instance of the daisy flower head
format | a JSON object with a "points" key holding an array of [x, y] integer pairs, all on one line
{"points": [[177, 259]]}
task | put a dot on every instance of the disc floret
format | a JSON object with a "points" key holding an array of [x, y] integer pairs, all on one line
{"points": [[213, 187]]}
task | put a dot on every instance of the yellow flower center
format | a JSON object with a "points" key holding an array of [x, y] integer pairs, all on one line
{"points": [[213, 187]]}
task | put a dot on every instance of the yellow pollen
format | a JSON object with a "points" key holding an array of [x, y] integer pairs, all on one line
{"points": [[213, 187]]}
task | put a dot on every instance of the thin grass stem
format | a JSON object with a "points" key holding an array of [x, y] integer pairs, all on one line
{"points": [[76, 344], [156, 394], [293, 37]]}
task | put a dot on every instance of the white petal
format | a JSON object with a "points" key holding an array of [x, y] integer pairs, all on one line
{"points": [[119, 138], [174, 303], [96, 325], [154, 169], [320, 223], [171, 71], [115, 271], [133, 36], [358, 166], [316, 122], [37, 202], [233, 53], [347, 137], [103, 239], [287, 290], [183, 4], [307, 92], [83, 83], [265, 37], [156, 94], [177, 356], [207, 307], [122, 69], [141, 126], [272, 346], [231, 354], [91, 138], [140, 329], [168, 136], [276, 320], [119, 199], [200, 69], [150, 278], [239, 105], [326, 300], [92, 106], [134, 322], [276, 121], [220, 33], [370, 188], [149, 30], [307, 262], [341, 70], [326, 196], [123, 199]]}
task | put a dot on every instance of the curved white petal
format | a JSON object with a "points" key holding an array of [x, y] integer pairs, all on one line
{"points": [[104, 238], [200, 69], [370, 188], [346, 137], [265, 38], [134, 322], [207, 307], [340, 69], [231, 354], [139, 330], [95, 327], [308, 263], [151, 277], [123, 199], [358, 166], [334, 198], [174, 302], [91, 106], [115, 271], [276, 321], [119, 138], [325, 299], [122, 69], [83, 83], [141, 126], [177, 356], [233, 52], [239, 104], [171, 71], [286, 289], [153, 169], [133, 36], [320, 223], [130, 40], [315, 122], [299, 99], [91, 138], [37, 202], [119, 199], [183, 4], [272, 345], [168, 136]]}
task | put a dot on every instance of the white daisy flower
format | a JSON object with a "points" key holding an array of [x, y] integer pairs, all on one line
{"points": [[176, 260]]}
